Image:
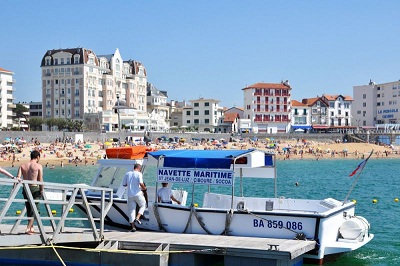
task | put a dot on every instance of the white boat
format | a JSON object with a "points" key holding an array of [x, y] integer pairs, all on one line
{"points": [[331, 223]]}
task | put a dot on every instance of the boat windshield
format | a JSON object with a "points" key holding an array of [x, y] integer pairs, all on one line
{"points": [[111, 177]]}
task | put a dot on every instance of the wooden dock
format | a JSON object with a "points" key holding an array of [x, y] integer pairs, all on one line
{"points": [[151, 248]]}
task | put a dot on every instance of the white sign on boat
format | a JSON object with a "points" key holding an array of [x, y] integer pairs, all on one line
{"points": [[196, 176]]}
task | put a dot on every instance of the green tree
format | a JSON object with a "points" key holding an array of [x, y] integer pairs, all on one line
{"points": [[70, 125], [21, 112], [61, 123], [35, 123], [78, 125], [50, 122]]}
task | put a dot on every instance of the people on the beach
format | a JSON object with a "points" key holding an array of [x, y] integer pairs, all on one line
{"points": [[165, 195], [133, 180], [32, 171]]}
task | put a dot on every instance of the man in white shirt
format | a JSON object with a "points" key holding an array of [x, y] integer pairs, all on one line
{"points": [[133, 180], [165, 195]]}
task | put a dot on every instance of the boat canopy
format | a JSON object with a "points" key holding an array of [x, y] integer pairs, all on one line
{"points": [[216, 159]]}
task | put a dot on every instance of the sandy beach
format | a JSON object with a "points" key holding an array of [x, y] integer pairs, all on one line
{"points": [[61, 154]]}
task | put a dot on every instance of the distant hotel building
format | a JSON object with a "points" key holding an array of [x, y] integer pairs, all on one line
{"points": [[377, 105], [6, 99], [203, 115], [268, 106], [326, 113], [76, 81]]}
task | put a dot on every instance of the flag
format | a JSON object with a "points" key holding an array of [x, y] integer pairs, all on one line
{"points": [[360, 166]]}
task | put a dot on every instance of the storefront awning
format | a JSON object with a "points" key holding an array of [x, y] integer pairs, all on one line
{"points": [[301, 127], [320, 127]]}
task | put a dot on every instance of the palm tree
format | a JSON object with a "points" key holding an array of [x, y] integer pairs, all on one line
{"points": [[21, 112]]}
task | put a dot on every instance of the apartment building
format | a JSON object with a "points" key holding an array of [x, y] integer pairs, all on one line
{"points": [[157, 108], [301, 116], [268, 107], [326, 113], [6, 99], [339, 110], [35, 109], [176, 113], [377, 105], [202, 115], [76, 81]]}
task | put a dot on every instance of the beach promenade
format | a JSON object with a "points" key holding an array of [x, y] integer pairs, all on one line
{"points": [[59, 154]]}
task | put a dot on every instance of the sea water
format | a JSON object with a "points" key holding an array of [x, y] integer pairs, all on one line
{"points": [[321, 179]]}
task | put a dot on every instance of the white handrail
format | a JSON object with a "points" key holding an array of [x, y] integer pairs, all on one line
{"points": [[57, 197]]}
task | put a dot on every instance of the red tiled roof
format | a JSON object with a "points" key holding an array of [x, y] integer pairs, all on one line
{"points": [[267, 86], [297, 103], [4, 70], [334, 97], [230, 117], [309, 101]]}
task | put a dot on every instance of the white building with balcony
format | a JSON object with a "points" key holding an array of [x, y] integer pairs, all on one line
{"points": [[268, 107], [339, 111], [6, 99], [202, 115], [76, 81], [157, 108], [301, 117]]}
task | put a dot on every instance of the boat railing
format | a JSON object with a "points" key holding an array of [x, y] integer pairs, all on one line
{"points": [[59, 201]]}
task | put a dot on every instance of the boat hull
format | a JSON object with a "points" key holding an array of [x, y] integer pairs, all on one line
{"points": [[280, 224]]}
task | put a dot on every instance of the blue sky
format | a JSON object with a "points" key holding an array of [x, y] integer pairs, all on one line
{"points": [[209, 48]]}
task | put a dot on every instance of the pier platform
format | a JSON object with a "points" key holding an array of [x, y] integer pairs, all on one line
{"points": [[150, 248]]}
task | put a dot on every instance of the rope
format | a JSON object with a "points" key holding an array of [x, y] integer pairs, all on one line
{"points": [[158, 218], [190, 218], [114, 250], [58, 255], [228, 220], [200, 220]]}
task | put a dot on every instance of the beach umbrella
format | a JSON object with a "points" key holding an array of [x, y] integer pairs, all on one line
{"points": [[87, 146]]}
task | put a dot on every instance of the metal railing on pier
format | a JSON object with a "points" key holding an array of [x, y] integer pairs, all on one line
{"points": [[57, 198]]}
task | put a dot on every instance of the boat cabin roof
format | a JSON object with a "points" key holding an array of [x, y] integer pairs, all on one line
{"points": [[216, 159]]}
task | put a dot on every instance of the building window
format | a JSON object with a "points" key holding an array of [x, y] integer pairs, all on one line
{"points": [[196, 104], [196, 112], [187, 121], [196, 121], [206, 104], [187, 112], [364, 104], [364, 96], [206, 121], [56, 61], [206, 112]]}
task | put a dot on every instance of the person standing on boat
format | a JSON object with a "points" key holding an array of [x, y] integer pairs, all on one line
{"points": [[165, 195], [32, 171], [133, 180]]}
